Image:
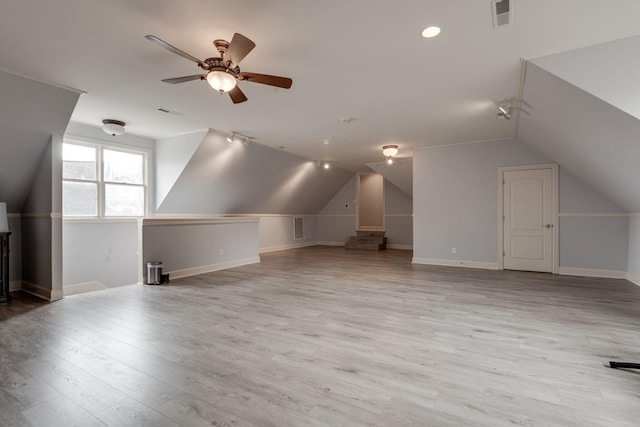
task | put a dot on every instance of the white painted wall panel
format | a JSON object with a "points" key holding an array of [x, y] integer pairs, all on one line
{"points": [[276, 232], [102, 252], [200, 246], [599, 243]]}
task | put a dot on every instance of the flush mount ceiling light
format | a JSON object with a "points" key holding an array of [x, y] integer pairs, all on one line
{"points": [[113, 127], [430, 32], [221, 81], [389, 151]]}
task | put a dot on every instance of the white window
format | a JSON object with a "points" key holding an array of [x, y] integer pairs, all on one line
{"points": [[103, 181]]}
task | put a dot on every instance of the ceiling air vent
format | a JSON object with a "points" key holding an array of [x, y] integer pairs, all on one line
{"points": [[501, 11]]}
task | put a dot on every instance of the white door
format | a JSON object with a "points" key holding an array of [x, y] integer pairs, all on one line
{"points": [[528, 220]]}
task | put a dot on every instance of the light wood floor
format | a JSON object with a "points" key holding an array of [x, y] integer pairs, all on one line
{"points": [[326, 337]]}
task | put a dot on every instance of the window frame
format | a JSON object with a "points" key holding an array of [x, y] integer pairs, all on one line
{"points": [[100, 146]]}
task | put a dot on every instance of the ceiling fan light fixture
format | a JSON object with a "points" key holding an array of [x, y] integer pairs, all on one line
{"points": [[113, 127], [221, 81]]}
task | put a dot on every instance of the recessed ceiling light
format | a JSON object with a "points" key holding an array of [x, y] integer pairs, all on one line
{"points": [[430, 32]]}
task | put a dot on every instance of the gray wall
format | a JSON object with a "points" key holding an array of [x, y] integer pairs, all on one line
{"points": [[337, 220], [587, 217], [42, 227], [634, 248], [191, 247], [100, 254], [456, 203], [276, 232], [15, 251]]}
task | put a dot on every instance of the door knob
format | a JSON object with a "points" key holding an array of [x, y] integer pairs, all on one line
{"points": [[548, 226]]}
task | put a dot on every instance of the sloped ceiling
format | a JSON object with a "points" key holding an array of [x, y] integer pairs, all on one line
{"points": [[400, 173], [358, 59], [30, 112], [247, 178], [609, 71], [594, 140]]}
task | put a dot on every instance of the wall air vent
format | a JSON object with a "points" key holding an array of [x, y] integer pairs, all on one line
{"points": [[501, 11], [298, 228]]}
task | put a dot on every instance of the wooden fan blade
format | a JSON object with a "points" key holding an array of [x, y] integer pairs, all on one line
{"points": [[175, 50], [185, 78], [239, 47], [237, 96], [265, 79]]}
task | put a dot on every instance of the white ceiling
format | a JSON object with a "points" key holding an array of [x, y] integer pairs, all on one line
{"points": [[348, 59]]}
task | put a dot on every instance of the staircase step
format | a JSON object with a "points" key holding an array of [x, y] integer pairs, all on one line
{"points": [[369, 239], [365, 246], [361, 233]]}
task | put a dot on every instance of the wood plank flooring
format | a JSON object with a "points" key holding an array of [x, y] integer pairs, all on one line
{"points": [[321, 336]]}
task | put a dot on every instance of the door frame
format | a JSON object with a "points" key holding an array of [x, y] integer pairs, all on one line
{"points": [[554, 216]]}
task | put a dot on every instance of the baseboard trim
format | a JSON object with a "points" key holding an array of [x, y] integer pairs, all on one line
{"points": [[286, 246], [593, 272], [401, 247], [81, 288], [329, 243], [46, 294], [456, 263], [186, 272], [633, 279]]}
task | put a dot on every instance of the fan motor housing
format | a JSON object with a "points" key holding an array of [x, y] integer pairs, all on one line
{"points": [[217, 63]]}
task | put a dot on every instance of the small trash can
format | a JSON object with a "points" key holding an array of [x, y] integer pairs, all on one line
{"points": [[154, 273]]}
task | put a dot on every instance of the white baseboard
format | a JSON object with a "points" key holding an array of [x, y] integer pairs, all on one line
{"points": [[177, 274], [456, 263], [401, 247], [329, 243], [46, 294], [81, 288], [633, 279], [287, 246], [593, 272]]}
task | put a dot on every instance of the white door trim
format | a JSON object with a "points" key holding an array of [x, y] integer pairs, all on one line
{"points": [[554, 186]]}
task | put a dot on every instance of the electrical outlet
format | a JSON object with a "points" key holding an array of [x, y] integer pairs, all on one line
{"points": [[453, 250], [221, 251]]}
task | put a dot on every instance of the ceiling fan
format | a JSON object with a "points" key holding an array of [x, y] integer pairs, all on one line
{"points": [[222, 72]]}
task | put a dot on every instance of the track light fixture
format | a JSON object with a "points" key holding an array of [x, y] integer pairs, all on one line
{"points": [[238, 137], [504, 112]]}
